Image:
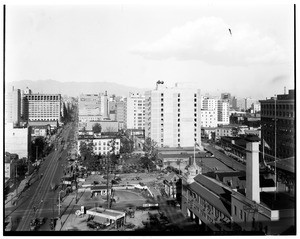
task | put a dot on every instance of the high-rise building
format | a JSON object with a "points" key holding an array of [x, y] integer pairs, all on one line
{"points": [[208, 103], [209, 118], [223, 112], [255, 107], [209, 113], [234, 103], [282, 111], [173, 115], [135, 111], [17, 140], [121, 112], [89, 104], [13, 107], [226, 97], [43, 107], [104, 109]]}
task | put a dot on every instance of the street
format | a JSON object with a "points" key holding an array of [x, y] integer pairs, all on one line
{"points": [[38, 200]]}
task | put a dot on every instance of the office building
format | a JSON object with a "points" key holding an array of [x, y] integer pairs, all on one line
{"points": [[43, 107], [135, 111], [121, 113], [89, 105], [17, 140], [209, 113], [282, 111], [13, 107], [209, 118], [223, 112], [172, 115]]}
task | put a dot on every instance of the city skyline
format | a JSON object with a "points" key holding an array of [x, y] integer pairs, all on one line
{"points": [[173, 43]]}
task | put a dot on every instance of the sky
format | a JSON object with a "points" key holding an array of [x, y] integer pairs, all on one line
{"points": [[137, 45]]}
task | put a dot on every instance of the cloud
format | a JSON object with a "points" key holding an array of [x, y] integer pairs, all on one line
{"points": [[279, 79], [208, 39]]}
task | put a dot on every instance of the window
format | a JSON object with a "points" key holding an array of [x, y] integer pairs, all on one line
{"points": [[178, 105], [178, 115], [241, 214], [234, 210]]}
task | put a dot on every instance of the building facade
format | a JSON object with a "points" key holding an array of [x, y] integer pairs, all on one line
{"points": [[281, 110], [43, 107], [101, 144], [209, 118], [173, 115], [223, 112], [13, 107], [17, 140], [121, 113], [135, 111]]}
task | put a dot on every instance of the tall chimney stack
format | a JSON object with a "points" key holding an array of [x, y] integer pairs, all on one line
{"points": [[252, 171], [285, 90]]}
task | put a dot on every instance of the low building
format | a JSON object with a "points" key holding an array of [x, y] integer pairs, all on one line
{"points": [[40, 130], [101, 190], [101, 143], [107, 216], [106, 125], [53, 124]]}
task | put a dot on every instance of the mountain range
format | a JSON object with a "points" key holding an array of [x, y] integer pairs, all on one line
{"points": [[73, 88]]}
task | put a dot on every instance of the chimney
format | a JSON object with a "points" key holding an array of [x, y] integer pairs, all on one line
{"points": [[285, 90], [252, 171]]}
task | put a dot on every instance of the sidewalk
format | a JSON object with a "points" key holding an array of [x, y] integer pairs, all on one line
{"points": [[12, 196]]}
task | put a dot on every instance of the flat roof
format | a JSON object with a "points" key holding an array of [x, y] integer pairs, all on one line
{"points": [[105, 213]]}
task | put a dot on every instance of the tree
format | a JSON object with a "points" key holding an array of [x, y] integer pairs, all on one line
{"points": [[146, 162], [97, 128], [150, 147], [126, 145], [86, 150]]}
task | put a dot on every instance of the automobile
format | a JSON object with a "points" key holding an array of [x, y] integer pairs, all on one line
{"points": [[41, 220]]}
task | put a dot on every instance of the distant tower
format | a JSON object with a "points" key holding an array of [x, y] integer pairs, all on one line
{"points": [[105, 106]]}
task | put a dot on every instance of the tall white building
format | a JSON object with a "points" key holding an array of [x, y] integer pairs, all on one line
{"points": [[135, 111], [223, 112], [17, 140], [13, 107], [209, 112], [43, 107], [173, 115], [209, 118]]}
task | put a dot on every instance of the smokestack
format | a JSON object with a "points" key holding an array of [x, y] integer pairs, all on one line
{"points": [[285, 90], [252, 171]]}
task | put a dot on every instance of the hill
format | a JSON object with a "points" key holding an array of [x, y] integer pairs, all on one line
{"points": [[73, 88]]}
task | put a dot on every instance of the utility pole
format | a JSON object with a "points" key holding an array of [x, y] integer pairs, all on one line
{"points": [[107, 182]]}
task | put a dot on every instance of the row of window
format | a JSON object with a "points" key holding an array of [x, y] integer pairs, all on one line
{"points": [[278, 106]]}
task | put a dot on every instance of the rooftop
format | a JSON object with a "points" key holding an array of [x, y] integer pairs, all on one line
{"points": [[106, 212]]}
